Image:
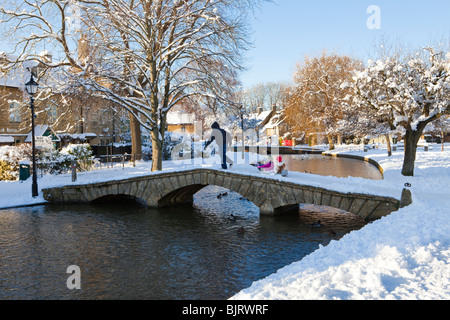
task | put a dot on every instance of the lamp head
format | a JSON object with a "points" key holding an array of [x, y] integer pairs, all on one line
{"points": [[31, 86]]}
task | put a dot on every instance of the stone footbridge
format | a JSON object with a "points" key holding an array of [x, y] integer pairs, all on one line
{"points": [[272, 196]]}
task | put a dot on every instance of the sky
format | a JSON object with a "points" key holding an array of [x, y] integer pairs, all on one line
{"points": [[285, 31]]}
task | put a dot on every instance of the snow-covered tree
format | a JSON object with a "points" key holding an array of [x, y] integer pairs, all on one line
{"points": [[405, 94], [146, 56], [355, 123]]}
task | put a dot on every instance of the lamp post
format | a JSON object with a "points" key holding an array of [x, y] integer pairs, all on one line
{"points": [[32, 87], [243, 134]]}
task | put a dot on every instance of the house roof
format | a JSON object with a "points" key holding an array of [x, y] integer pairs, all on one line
{"points": [[259, 119], [18, 75], [80, 136], [277, 119], [6, 139]]}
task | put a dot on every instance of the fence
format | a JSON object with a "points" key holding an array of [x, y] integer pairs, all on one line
{"points": [[100, 151], [103, 162]]}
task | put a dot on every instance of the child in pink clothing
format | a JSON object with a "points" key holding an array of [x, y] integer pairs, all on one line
{"points": [[277, 166], [266, 167]]}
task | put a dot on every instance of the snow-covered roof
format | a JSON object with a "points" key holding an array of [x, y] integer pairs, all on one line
{"points": [[254, 120], [6, 139], [17, 76], [81, 136], [275, 121], [263, 115], [259, 116], [39, 130], [180, 118]]}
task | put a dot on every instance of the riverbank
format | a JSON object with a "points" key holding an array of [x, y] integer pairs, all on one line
{"points": [[405, 255]]}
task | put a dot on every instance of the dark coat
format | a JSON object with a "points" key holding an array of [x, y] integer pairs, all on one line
{"points": [[222, 138]]}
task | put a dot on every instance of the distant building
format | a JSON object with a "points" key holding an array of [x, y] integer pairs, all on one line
{"points": [[273, 125], [13, 102], [180, 122], [79, 118], [276, 125]]}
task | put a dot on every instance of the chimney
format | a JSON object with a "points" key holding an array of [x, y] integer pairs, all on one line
{"points": [[47, 57], [274, 107], [259, 110]]}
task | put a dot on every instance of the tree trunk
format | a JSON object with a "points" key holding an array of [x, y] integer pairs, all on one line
{"points": [[157, 150], [136, 143], [442, 140], [388, 143], [411, 140], [157, 135], [330, 142]]}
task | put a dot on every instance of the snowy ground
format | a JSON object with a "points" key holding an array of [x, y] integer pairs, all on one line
{"points": [[405, 255]]}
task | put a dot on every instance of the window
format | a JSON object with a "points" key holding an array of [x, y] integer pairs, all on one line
{"points": [[183, 129], [14, 112]]}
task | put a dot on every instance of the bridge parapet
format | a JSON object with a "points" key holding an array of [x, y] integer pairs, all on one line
{"points": [[272, 196]]}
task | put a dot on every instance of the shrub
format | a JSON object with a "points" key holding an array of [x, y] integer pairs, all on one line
{"points": [[57, 162], [10, 157], [8, 171]]}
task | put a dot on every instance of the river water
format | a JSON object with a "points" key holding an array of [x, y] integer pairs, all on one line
{"points": [[127, 251], [332, 166]]}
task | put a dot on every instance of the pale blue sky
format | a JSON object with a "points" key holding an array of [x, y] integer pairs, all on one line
{"points": [[287, 30]]}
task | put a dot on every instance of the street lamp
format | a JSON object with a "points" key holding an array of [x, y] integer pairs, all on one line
{"points": [[32, 87], [243, 134]]}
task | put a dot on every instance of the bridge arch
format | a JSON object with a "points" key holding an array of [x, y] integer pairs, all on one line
{"points": [[271, 195], [182, 188]]}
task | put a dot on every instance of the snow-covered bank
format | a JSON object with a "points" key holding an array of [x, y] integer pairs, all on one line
{"points": [[405, 255]]}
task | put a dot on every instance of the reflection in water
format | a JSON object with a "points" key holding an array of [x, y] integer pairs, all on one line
{"points": [[332, 166], [127, 251]]}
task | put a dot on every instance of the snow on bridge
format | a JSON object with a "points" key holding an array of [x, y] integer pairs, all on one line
{"points": [[272, 196]]}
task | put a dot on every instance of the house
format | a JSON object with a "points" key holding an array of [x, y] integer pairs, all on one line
{"points": [[180, 122], [274, 126], [12, 103], [260, 119], [81, 117]]}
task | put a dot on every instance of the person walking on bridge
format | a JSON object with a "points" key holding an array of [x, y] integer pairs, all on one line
{"points": [[223, 140]]}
